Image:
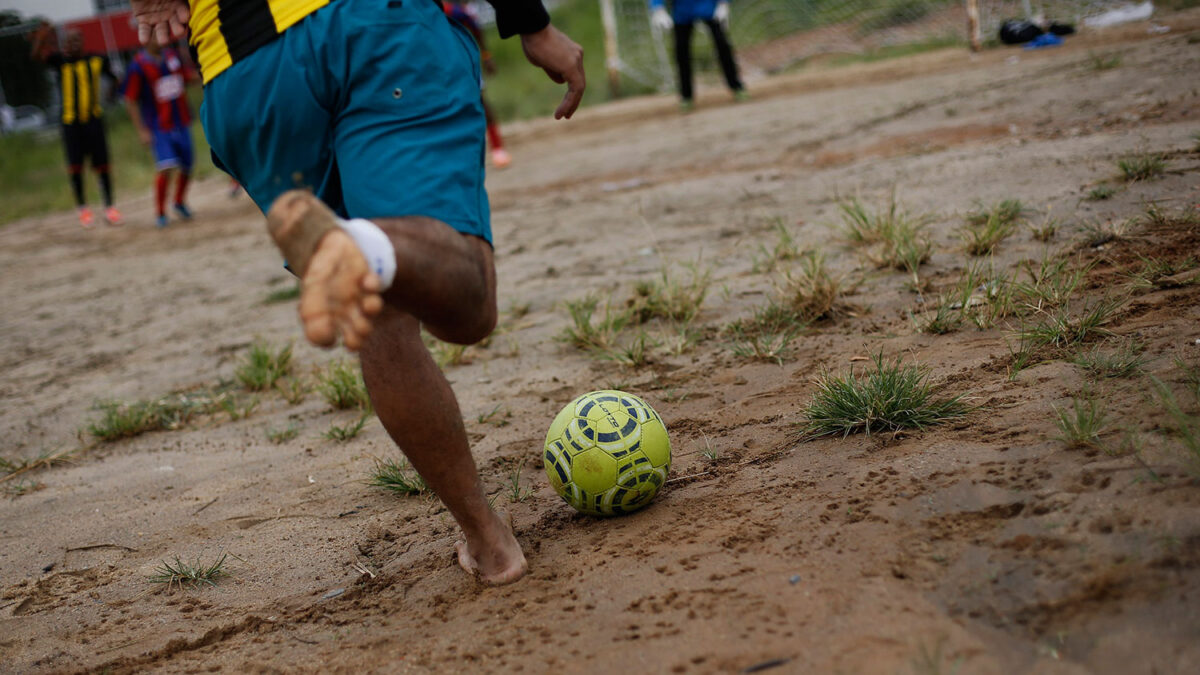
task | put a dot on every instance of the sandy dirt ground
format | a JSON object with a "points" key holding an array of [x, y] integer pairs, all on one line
{"points": [[984, 546]]}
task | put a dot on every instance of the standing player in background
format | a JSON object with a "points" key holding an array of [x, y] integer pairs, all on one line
{"points": [[714, 14], [374, 106], [83, 133], [156, 96], [461, 12]]}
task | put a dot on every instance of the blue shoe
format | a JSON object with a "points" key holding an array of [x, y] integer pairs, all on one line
{"points": [[161, 222], [183, 211]]}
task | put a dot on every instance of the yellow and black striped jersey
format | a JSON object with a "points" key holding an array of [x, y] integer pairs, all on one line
{"points": [[79, 85], [226, 31]]}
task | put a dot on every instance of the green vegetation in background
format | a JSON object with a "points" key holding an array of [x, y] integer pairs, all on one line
{"points": [[520, 91], [33, 167]]}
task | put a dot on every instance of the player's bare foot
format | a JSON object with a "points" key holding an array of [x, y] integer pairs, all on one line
{"points": [[339, 294], [496, 558]]}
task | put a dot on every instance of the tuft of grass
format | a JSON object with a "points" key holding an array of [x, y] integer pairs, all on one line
{"points": [[44, 460], [785, 248], [1185, 426], [1004, 212], [1019, 360], [984, 296], [810, 292], [347, 431], [983, 238], [513, 488], [238, 408], [263, 366], [890, 396], [1141, 166], [1098, 234], [1046, 231], [341, 385], [499, 416], [942, 320], [447, 354], [1124, 361], [293, 389], [1100, 62], [1051, 283], [1155, 272], [1082, 425], [710, 453], [930, 661], [634, 352], [766, 336], [125, 420], [1101, 192], [278, 436], [589, 332], [669, 296], [283, 295], [893, 237], [193, 574], [22, 487], [398, 477], [1191, 376], [1062, 328]]}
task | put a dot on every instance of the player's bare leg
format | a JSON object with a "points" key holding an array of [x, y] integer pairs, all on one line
{"points": [[417, 407], [444, 280]]}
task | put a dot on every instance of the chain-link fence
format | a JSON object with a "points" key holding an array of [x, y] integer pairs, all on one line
{"points": [[774, 35]]}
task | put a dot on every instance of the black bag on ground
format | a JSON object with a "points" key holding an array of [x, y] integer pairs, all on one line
{"points": [[1018, 31]]}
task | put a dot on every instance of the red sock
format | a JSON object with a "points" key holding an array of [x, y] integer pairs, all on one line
{"points": [[493, 132], [160, 192], [181, 185]]}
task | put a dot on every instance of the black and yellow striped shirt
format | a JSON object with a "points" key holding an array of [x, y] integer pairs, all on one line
{"points": [[226, 31], [79, 85]]}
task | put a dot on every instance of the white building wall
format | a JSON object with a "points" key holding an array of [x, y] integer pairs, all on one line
{"points": [[55, 10]]}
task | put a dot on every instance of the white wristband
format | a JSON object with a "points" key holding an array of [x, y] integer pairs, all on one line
{"points": [[375, 247]]}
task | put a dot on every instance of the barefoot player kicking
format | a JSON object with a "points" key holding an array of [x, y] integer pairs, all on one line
{"points": [[374, 106]]}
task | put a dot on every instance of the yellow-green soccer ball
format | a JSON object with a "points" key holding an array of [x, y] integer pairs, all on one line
{"points": [[607, 453]]}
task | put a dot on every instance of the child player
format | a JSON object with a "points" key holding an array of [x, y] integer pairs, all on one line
{"points": [[461, 12], [156, 97]]}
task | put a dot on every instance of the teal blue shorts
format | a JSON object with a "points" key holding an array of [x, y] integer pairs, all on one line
{"points": [[372, 104]]}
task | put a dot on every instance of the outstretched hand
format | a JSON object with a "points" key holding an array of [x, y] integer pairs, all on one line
{"points": [[165, 20], [562, 59]]}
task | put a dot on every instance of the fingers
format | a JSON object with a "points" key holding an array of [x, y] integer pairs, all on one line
{"points": [[162, 33], [576, 84]]}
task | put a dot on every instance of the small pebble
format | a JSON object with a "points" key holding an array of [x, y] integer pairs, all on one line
{"points": [[795, 579], [333, 594]]}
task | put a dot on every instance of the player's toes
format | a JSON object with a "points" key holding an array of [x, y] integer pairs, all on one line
{"points": [[319, 329], [465, 560], [359, 322], [371, 304]]}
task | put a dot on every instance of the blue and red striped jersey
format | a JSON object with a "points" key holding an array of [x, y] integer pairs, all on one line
{"points": [[158, 86]]}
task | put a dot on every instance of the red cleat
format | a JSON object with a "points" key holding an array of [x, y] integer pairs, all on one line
{"points": [[85, 217], [112, 216]]}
